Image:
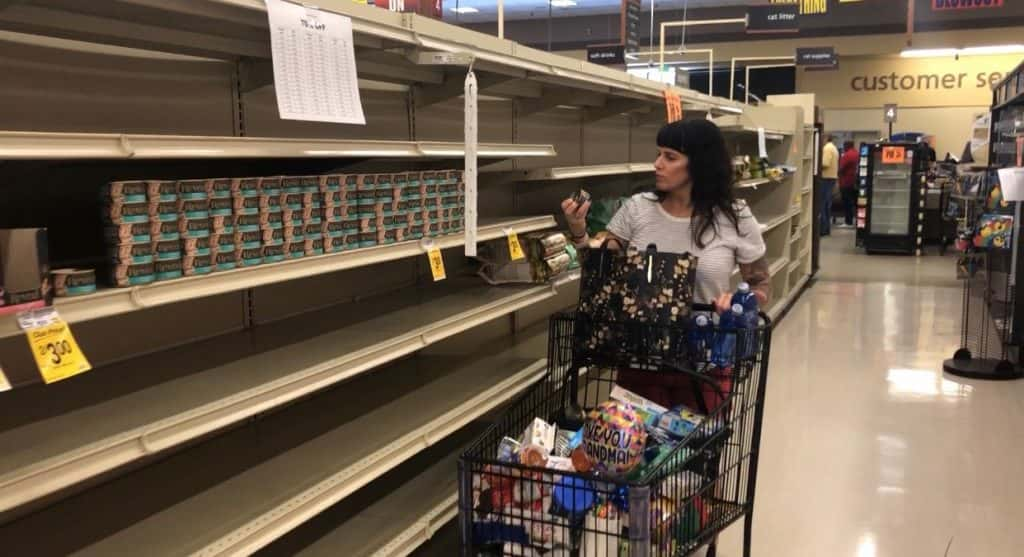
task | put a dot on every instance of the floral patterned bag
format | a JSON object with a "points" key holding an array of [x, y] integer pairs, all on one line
{"points": [[634, 303]]}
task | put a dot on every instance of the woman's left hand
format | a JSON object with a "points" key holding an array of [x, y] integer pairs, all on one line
{"points": [[723, 302]]}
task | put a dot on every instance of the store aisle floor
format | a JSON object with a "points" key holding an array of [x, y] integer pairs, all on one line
{"points": [[868, 449]]}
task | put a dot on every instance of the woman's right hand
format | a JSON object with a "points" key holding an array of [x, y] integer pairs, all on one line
{"points": [[576, 215]]}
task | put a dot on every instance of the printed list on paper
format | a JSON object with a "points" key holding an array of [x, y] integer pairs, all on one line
{"points": [[314, 64]]}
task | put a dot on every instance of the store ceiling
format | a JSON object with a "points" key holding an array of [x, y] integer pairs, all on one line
{"points": [[538, 9]]}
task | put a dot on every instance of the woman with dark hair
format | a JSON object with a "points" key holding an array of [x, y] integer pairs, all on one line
{"points": [[693, 209]]}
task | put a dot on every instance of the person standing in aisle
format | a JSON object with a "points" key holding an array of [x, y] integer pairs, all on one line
{"points": [[829, 176], [848, 181], [692, 209]]}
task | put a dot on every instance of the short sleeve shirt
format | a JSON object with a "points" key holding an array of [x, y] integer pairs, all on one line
{"points": [[643, 221]]}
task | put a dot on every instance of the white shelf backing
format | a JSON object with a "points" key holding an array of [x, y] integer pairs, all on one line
{"points": [[774, 221], [49, 455], [399, 522], [779, 264], [250, 510], [44, 145], [571, 172], [114, 301]]}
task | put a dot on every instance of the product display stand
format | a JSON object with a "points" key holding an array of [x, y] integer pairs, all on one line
{"points": [[993, 324]]}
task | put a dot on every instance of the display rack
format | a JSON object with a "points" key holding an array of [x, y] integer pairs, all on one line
{"points": [[138, 89], [992, 320]]}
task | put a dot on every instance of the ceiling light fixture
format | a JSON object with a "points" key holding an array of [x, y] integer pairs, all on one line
{"points": [[465, 10], [563, 3], [968, 51]]}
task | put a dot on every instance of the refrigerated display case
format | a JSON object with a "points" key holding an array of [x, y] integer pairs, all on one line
{"points": [[892, 179]]}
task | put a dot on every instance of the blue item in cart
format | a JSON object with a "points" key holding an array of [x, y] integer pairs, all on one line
{"points": [[723, 354], [572, 497], [745, 297], [701, 335], [680, 421]]}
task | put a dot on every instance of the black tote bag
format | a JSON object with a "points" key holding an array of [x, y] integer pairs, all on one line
{"points": [[633, 303]]}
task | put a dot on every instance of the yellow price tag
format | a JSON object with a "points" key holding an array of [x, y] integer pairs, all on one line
{"points": [[56, 352], [5, 385], [514, 249], [436, 264]]}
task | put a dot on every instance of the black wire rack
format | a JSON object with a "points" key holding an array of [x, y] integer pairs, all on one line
{"points": [[674, 504], [987, 317]]}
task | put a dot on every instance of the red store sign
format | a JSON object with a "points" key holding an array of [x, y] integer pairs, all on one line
{"points": [[965, 4]]}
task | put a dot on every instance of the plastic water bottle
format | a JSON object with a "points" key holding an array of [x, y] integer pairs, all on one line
{"points": [[724, 352], [700, 336], [745, 297]]}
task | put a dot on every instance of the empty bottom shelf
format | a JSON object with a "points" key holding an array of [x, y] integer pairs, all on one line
{"points": [[260, 504]]}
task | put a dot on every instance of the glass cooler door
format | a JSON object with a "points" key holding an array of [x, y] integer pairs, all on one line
{"points": [[890, 191]]}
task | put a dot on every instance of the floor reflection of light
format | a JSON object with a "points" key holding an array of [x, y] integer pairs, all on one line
{"points": [[866, 546], [890, 490], [924, 384]]}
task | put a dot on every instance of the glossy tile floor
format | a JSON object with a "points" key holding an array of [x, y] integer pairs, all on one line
{"points": [[868, 450]]}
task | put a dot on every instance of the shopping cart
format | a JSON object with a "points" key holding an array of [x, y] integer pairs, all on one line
{"points": [[672, 506]]}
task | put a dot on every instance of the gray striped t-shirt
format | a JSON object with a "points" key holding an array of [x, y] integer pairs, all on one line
{"points": [[642, 221]]}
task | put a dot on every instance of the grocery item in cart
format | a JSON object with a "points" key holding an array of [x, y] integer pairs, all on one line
{"points": [[614, 438]]}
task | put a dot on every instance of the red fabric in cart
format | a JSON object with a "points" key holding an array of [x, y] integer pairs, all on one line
{"points": [[669, 389]]}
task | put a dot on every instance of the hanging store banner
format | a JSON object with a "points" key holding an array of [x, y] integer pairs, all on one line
{"points": [[607, 54], [776, 18], [821, 58], [939, 5], [806, 7]]}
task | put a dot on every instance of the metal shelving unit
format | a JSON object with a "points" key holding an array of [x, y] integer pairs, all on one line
{"points": [[574, 172], [273, 497], [92, 146], [272, 370], [115, 301]]}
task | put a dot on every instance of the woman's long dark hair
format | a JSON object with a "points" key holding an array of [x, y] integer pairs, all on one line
{"points": [[711, 173]]}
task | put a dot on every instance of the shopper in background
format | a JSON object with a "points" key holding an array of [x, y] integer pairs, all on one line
{"points": [[692, 209], [848, 181], [829, 175]]}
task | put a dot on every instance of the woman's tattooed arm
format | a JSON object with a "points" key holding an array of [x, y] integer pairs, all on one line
{"points": [[756, 274]]}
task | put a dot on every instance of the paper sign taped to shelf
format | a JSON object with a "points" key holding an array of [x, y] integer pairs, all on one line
{"points": [[762, 145], [314, 64], [515, 250], [436, 263], [893, 155], [53, 346], [673, 107]]}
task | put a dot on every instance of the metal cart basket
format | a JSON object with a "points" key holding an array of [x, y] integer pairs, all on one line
{"points": [[672, 505]]}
